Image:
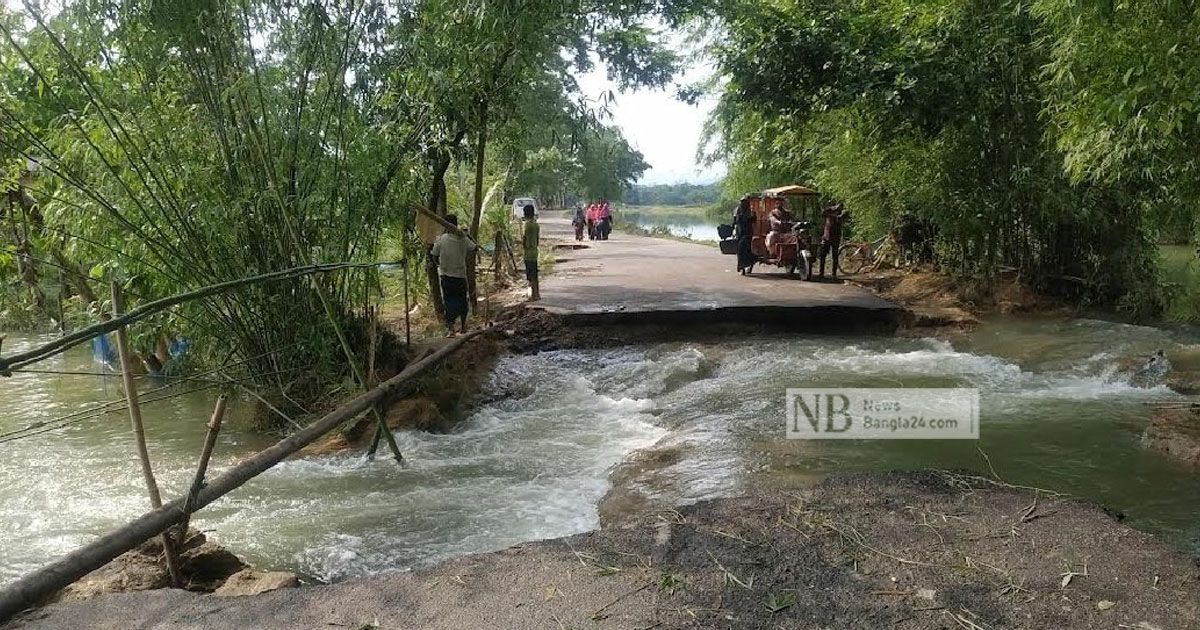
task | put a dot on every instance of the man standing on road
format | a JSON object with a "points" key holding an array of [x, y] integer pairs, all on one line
{"points": [[529, 243], [451, 250], [831, 237]]}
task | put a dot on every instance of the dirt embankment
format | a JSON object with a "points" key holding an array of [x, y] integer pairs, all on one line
{"points": [[936, 300], [912, 550], [437, 399]]}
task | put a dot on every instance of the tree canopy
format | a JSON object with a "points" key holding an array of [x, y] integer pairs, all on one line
{"points": [[177, 143], [1051, 137]]}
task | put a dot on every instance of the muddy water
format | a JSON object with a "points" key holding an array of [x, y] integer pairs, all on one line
{"points": [[689, 421]]}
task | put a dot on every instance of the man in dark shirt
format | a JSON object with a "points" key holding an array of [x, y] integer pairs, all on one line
{"points": [[831, 237]]}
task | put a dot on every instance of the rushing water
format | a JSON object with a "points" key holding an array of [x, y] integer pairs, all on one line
{"points": [[536, 458]]}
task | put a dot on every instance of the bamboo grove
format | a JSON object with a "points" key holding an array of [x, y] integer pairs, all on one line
{"points": [[174, 144], [1054, 137]]}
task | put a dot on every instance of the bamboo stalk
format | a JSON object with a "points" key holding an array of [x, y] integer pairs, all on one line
{"points": [[35, 586], [407, 308], [210, 442], [139, 430], [86, 334]]}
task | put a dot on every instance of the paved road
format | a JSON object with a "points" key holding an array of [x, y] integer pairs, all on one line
{"points": [[630, 277]]}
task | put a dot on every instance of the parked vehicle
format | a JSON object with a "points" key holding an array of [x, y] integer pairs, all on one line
{"points": [[519, 207], [786, 240]]}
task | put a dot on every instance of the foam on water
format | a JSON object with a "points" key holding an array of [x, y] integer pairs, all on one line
{"points": [[534, 459], [526, 467]]}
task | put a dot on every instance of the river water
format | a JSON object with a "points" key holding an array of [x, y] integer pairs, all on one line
{"points": [[535, 459], [683, 224]]}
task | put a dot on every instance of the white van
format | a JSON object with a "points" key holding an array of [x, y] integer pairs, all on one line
{"points": [[519, 206]]}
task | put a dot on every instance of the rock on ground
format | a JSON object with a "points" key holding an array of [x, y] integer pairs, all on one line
{"points": [[254, 582], [901, 550], [205, 565], [1176, 433]]}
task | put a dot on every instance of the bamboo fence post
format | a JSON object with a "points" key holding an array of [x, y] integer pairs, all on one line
{"points": [[210, 442], [497, 254], [407, 308], [371, 336], [139, 430]]}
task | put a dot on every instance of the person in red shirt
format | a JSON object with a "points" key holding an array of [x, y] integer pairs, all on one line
{"points": [[604, 222], [592, 216]]}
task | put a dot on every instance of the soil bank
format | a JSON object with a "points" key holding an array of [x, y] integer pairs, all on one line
{"points": [[898, 550]]}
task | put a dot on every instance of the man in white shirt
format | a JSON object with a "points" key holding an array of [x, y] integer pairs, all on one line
{"points": [[451, 250]]}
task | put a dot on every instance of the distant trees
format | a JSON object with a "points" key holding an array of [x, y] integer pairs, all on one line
{"points": [[598, 164], [674, 194]]}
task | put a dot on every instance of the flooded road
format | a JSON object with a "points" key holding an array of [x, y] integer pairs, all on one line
{"points": [[536, 458]]}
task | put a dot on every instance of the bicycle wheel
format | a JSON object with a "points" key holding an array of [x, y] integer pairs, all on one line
{"points": [[852, 257]]}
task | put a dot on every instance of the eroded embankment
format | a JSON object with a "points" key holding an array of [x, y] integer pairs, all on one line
{"points": [[935, 300], [911, 550]]}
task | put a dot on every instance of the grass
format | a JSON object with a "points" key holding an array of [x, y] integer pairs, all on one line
{"points": [[1181, 276]]}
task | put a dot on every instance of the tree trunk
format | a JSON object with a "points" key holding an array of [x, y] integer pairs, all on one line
{"points": [[75, 276], [26, 270], [437, 205], [477, 215]]}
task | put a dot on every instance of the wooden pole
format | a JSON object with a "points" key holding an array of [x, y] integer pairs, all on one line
{"points": [[379, 428], [210, 442], [39, 584], [407, 308], [139, 430]]}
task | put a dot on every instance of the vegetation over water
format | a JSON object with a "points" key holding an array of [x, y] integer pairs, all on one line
{"points": [[1054, 136]]}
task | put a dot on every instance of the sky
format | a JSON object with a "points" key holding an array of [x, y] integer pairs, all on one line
{"points": [[667, 131]]}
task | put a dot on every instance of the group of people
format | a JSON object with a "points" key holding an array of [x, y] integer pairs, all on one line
{"points": [[450, 252], [781, 223], [596, 219]]}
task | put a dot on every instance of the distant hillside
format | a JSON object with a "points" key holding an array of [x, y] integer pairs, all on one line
{"points": [[674, 194]]}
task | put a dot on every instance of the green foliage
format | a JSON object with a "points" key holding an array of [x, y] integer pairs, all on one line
{"points": [[185, 143], [938, 109], [674, 194], [610, 166]]}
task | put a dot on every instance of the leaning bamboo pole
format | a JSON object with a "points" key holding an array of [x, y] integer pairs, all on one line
{"points": [[139, 431], [36, 586]]}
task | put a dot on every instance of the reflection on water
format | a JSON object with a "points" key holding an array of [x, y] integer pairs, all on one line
{"points": [[686, 224], [535, 461]]}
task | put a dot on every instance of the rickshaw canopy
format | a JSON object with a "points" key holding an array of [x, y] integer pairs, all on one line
{"points": [[794, 190]]}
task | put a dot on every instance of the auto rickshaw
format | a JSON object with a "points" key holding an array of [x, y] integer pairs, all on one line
{"points": [[789, 245]]}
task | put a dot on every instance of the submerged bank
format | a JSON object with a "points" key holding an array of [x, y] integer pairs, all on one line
{"points": [[917, 550]]}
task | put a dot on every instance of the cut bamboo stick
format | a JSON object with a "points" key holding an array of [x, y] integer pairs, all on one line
{"points": [[210, 443]]}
